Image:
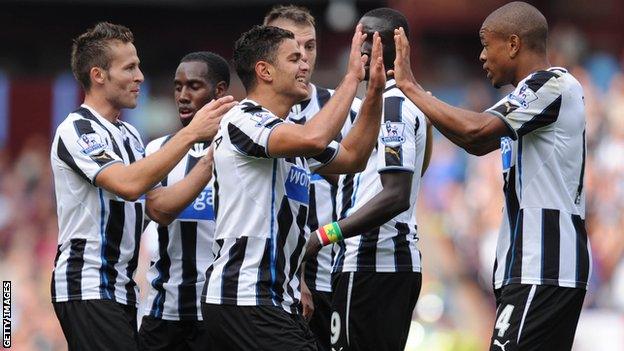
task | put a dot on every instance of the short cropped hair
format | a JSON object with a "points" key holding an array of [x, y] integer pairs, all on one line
{"points": [[260, 43], [92, 49], [393, 18], [297, 14], [218, 69]]}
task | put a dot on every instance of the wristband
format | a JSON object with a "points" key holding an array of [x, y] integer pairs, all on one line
{"points": [[329, 233]]}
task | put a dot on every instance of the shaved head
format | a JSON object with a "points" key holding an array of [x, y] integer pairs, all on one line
{"points": [[521, 19]]}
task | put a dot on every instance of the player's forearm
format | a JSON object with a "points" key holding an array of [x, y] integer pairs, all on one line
{"points": [[329, 120], [164, 204], [135, 179], [361, 139], [462, 127], [379, 210]]}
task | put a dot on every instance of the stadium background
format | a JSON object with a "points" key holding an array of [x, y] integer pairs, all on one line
{"points": [[461, 201]]}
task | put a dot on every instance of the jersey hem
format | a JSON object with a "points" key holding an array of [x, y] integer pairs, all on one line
{"points": [[97, 296], [378, 269], [102, 168], [536, 281], [514, 134]]}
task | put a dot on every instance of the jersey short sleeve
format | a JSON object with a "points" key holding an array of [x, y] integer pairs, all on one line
{"points": [[396, 145], [85, 147], [534, 104], [249, 132], [325, 157]]}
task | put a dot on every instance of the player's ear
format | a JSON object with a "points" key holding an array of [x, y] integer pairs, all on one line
{"points": [[513, 44], [220, 89], [97, 75], [264, 71]]}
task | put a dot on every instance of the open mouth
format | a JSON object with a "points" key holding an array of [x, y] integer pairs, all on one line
{"points": [[186, 112]]}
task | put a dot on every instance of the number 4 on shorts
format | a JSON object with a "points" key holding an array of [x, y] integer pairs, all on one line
{"points": [[502, 322]]}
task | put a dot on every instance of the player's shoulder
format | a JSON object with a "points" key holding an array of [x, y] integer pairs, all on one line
{"points": [[77, 122], [548, 80], [248, 111], [158, 142]]}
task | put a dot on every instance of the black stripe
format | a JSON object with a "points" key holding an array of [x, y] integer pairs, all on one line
{"points": [[231, 270], [582, 252], [367, 251], [244, 143], [579, 189], [389, 88], [322, 96], [513, 207], [284, 222], [393, 112], [187, 292], [505, 108], [516, 268], [347, 193], [163, 265], [136, 137], [551, 237], [84, 112], [311, 268], [134, 261], [218, 245], [327, 155], [75, 262], [215, 195], [191, 161], [273, 123], [114, 233], [539, 78], [558, 69], [339, 257], [128, 148], [53, 283], [249, 107], [402, 252], [334, 192], [65, 156], [263, 285], [165, 140], [296, 253], [547, 116]]}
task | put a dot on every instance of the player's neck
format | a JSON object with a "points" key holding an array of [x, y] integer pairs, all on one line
{"points": [[530, 64], [278, 104], [102, 106]]}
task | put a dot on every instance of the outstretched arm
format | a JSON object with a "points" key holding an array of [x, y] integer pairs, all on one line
{"points": [[313, 137], [477, 132], [164, 204], [359, 142]]}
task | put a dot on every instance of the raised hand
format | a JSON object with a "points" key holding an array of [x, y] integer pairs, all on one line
{"points": [[205, 123], [357, 61], [402, 71], [377, 72]]}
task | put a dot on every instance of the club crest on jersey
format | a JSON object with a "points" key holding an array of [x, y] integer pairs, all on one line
{"points": [[392, 133], [260, 118], [506, 152], [91, 144], [137, 146], [298, 185], [523, 97]]}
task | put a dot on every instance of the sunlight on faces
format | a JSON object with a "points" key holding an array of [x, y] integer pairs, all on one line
{"points": [[495, 57], [122, 79], [192, 90], [305, 35], [290, 71]]}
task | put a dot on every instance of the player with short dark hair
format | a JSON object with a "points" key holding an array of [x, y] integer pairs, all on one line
{"points": [[251, 296], [376, 276], [182, 209], [543, 259], [322, 207], [99, 175]]}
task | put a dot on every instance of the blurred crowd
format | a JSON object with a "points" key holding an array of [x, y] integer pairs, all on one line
{"points": [[459, 214]]}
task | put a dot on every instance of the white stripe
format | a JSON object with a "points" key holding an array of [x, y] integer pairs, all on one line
{"points": [[349, 289], [526, 309]]}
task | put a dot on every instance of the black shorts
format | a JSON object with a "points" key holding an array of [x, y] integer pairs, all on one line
{"points": [[319, 323], [164, 335], [536, 317], [245, 328], [373, 311], [98, 325]]}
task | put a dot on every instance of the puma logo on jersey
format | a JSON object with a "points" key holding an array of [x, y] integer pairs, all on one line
{"points": [[502, 346]]}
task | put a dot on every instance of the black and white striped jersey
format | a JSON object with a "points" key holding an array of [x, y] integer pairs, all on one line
{"points": [[322, 209], [542, 238], [99, 232], [261, 208], [400, 148], [177, 268]]}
